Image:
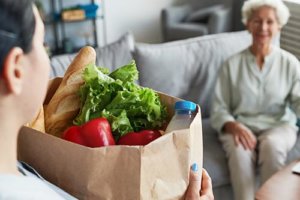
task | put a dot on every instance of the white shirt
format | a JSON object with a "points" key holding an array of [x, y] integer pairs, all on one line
{"points": [[260, 99], [31, 186], [14, 187]]}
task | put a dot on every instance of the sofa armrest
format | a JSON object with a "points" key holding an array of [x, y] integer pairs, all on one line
{"points": [[173, 15], [220, 21], [203, 13]]}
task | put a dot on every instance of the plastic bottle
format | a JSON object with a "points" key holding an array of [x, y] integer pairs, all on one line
{"points": [[184, 115]]}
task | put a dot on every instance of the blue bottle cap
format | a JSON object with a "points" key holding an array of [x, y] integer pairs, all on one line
{"points": [[185, 105]]}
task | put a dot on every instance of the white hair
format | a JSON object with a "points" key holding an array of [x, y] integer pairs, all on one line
{"points": [[280, 8]]}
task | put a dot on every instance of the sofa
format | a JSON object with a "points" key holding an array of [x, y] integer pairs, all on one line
{"points": [[187, 69], [185, 21]]}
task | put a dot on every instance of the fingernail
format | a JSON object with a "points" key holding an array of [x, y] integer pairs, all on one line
{"points": [[195, 167]]}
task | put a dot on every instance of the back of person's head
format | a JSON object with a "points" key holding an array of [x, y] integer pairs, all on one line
{"points": [[17, 26], [281, 10]]}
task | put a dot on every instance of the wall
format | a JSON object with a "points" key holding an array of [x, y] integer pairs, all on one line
{"points": [[141, 17], [237, 15]]}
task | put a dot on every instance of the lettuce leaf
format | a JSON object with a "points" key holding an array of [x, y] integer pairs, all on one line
{"points": [[127, 73], [115, 96]]}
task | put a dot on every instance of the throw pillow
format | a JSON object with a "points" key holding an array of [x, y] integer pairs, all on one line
{"points": [[188, 68], [111, 56], [116, 54], [60, 63]]}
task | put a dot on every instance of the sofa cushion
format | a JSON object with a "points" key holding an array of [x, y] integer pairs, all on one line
{"points": [[111, 56], [60, 63], [116, 54], [187, 30], [214, 157], [188, 68]]}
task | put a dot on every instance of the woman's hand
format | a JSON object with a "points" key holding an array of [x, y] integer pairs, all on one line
{"points": [[193, 191], [241, 134]]}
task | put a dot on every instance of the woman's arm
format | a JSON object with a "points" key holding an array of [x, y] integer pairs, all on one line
{"points": [[221, 117], [294, 94], [220, 108]]}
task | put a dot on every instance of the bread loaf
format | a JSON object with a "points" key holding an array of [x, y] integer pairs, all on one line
{"points": [[65, 103], [38, 122]]}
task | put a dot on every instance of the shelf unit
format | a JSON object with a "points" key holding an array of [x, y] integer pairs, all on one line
{"points": [[59, 27]]}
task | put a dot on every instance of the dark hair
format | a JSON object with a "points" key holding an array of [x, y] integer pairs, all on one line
{"points": [[17, 26]]}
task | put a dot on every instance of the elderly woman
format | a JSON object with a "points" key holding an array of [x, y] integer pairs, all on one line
{"points": [[256, 99]]}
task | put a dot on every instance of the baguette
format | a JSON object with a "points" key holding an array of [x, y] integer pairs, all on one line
{"points": [[65, 103], [38, 122]]}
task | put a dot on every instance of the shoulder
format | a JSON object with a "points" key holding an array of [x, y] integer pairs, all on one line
{"points": [[285, 56], [236, 58], [27, 187], [234, 61], [31, 172], [287, 61]]}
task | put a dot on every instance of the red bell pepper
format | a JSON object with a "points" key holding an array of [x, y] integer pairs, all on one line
{"points": [[94, 133], [139, 138]]}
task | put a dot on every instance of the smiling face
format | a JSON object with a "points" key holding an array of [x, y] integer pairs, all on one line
{"points": [[263, 25]]}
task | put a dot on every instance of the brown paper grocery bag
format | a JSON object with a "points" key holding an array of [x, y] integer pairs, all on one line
{"points": [[159, 170]]}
